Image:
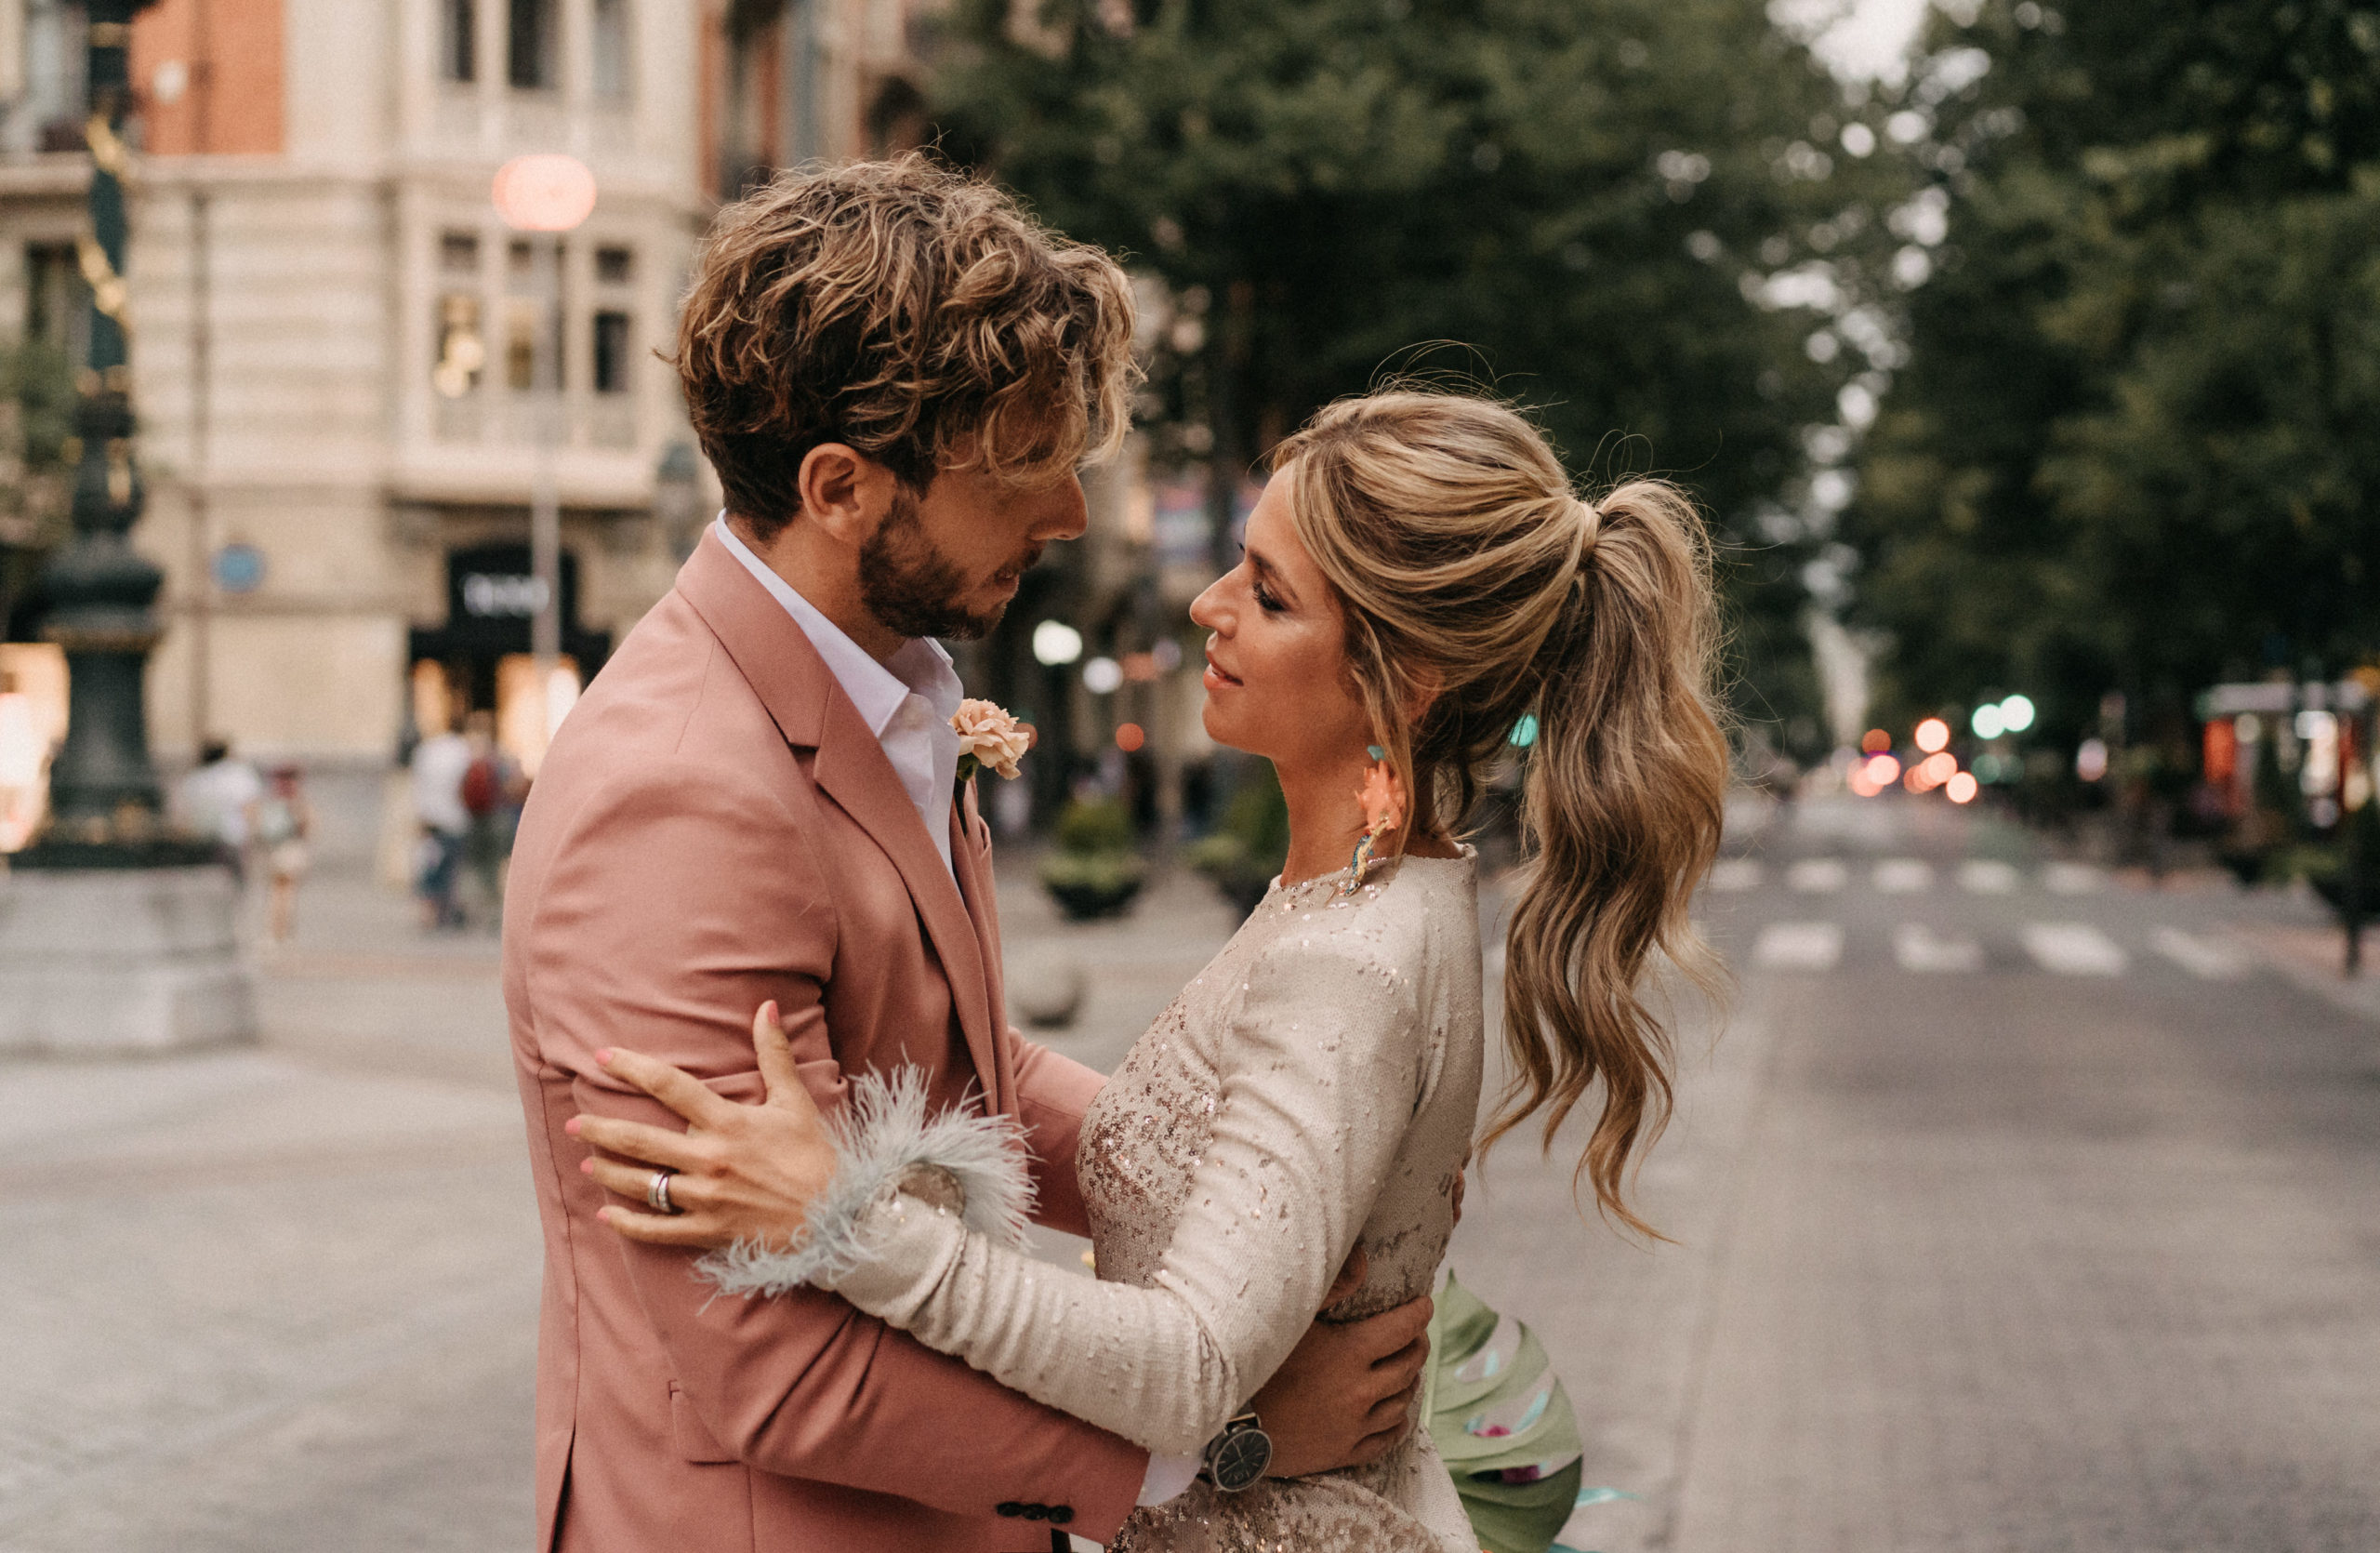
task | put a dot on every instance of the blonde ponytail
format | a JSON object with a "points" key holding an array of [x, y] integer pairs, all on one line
{"points": [[1476, 584], [1621, 812]]}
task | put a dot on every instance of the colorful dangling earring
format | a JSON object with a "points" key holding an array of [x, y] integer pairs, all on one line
{"points": [[1384, 802]]}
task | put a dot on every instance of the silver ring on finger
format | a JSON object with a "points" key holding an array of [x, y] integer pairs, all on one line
{"points": [[656, 1194]]}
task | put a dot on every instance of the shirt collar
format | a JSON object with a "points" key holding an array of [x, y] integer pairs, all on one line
{"points": [[876, 689]]}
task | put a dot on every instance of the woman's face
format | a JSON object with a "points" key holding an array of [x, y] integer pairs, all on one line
{"points": [[1275, 678]]}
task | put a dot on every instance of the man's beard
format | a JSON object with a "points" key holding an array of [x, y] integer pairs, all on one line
{"points": [[911, 587]]}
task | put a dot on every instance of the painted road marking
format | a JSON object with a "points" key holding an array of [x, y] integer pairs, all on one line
{"points": [[2208, 958], [1984, 877], [1918, 950], [1735, 874], [1818, 875], [1903, 876], [2074, 949], [2073, 879], [1798, 947]]}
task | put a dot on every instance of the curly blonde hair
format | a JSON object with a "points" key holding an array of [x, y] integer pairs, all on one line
{"points": [[909, 311], [1477, 583]]}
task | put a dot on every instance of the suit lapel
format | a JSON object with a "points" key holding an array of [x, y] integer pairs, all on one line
{"points": [[971, 850], [811, 709]]}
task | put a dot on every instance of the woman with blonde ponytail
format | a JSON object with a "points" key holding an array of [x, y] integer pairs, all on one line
{"points": [[1481, 587], [1420, 577]]}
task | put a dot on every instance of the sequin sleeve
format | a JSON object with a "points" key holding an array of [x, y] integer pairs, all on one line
{"points": [[1320, 1076]]}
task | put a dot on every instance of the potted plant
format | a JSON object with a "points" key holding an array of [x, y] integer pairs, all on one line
{"points": [[1094, 870], [1244, 855]]}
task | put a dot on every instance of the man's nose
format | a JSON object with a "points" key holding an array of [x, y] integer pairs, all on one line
{"points": [[1066, 515]]}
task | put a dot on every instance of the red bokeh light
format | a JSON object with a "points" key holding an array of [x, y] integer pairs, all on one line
{"points": [[1130, 736]]}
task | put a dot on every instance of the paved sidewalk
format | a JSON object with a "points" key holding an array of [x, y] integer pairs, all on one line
{"points": [[1999, 1260], [283, 1299]]}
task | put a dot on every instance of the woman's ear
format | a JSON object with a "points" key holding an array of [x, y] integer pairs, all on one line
{"points": [[1426, 685]]}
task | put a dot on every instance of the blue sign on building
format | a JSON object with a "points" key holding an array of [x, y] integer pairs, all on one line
{"points": [[239, 568]]}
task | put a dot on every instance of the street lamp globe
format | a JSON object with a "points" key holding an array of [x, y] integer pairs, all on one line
{"points": [[544, 191]]}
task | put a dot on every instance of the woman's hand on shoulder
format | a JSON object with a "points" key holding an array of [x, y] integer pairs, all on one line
{"points": [[737, 1174]]}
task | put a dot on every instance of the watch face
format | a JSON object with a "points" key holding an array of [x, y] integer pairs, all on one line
{"points": [[1241, 1458]]}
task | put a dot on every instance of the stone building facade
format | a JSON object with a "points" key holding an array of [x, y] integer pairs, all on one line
{"points": [[335, 336]]}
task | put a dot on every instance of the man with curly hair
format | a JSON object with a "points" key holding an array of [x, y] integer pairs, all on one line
{"points": [[896, 375]]}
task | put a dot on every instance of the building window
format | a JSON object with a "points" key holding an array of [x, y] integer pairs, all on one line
{"points": [[614, 266], [611, 352], [613, 82], [458, 47], [55, 295], [461, 353], [459, 253], [521, 346], [530, 39]]}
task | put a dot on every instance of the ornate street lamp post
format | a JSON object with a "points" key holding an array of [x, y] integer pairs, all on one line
{"points": [[115, 936], [100, 592]]}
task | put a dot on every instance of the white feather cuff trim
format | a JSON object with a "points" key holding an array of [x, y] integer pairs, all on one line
{"points": [[882, 1133]]}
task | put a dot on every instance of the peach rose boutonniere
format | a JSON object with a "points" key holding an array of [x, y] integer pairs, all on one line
{"points": [[989, 739]]}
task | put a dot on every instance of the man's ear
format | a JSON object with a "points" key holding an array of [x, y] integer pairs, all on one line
{"points": [[844, 492]]}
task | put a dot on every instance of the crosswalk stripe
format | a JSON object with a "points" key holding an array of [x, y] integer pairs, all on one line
{"points": [[1798, 947], [1902, 876], [2074, 949], [1984, 877], [2073, 879], [1735, 874], [1918, 950], [2208, 958], [1922, 951], [1818, 875]]}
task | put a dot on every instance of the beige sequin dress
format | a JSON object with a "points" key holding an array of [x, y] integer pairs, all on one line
{"points": [[1318, 1083]]}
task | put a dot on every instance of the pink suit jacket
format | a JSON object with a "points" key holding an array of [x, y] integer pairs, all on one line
{"points": [[715, 826]]}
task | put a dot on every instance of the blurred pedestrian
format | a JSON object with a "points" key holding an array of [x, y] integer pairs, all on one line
{"points": [[284, 823], [218, 800], [25, 755], [440, 762], [490, 793]]}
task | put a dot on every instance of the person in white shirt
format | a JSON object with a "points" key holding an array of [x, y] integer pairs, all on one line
{"points": [[439, 764], [216, 799]]}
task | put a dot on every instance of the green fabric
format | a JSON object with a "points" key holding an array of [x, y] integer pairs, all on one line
{"points": [[1494, 1404]]}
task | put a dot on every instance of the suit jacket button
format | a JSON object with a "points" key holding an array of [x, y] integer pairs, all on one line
{"points": [[1060, 1514], [1009, 1508]]}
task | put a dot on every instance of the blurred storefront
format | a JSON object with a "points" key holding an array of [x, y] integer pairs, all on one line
{"points": [[335, 337]]}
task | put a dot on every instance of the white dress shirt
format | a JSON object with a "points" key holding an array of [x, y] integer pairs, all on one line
{"points": [[907, 702]]}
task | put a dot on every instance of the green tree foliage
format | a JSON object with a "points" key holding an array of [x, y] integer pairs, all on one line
{"points": [[2133, 448], [37, 459], [1577, 196]]}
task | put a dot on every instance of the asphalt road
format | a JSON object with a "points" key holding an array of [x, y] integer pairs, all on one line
{"points": [[2013, 1208], [2016, 1209]]}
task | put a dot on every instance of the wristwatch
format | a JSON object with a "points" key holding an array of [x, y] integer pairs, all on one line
{"points": [[1236, 1457]]}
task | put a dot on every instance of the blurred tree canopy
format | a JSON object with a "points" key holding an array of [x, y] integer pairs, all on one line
{"points": [[2134, 445], [1577, 201], [37, 453]]}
